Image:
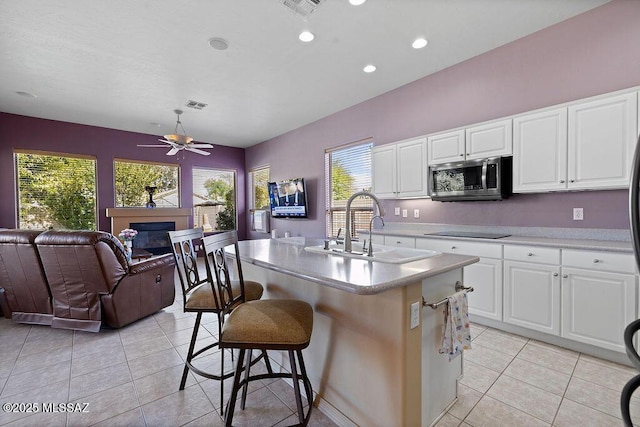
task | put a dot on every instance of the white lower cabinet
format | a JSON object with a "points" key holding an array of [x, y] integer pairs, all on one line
{"points": [[400, 241], [597, 306], [532, 296], [598, 297], [484, 276]]}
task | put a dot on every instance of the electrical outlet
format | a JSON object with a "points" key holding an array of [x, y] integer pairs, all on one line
{"points": [[578, 214], [415, 315], [404, 213], [416, 213], [397, 210]]}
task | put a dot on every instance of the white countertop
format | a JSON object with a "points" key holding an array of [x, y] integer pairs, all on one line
{"points": [[564, 243], [358, 276]]}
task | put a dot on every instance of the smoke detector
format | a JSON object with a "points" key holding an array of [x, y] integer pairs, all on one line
{"points": [[302, 7]]}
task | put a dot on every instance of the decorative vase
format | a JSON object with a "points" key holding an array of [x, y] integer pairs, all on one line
{"points": [[128, 249]]}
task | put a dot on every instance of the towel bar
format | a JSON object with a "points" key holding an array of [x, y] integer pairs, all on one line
{"points": [[434, 305]]}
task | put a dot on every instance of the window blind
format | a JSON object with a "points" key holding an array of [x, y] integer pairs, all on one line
{"points": [[348, 170], [56, 191], [131, 178], [214, 198]]}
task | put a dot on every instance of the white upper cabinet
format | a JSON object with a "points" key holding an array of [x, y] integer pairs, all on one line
{"points": [[384, 171], [446, 147], [489, 140], [601, 139], [400, 170], [540, 151], [476, 142]]}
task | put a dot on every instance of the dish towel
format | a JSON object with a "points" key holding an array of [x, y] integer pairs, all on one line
{"points": [[456, 333]]}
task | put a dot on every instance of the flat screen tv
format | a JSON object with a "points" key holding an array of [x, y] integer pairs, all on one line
{"points": [[288, 199]]}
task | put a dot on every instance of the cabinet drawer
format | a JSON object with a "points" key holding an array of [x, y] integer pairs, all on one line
{"points": [[600, 261], [402, 241], [534, 254], [462, 247]]}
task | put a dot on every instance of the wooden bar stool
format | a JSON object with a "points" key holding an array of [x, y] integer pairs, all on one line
{"points": [[200, 295], [278, 324]]}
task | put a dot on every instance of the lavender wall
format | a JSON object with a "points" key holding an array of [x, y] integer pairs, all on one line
{"points": [[20, 132], [584, 56]]}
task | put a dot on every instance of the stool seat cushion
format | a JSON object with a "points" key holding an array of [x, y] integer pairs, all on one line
{"points": [[269, 325], [201, 297]]}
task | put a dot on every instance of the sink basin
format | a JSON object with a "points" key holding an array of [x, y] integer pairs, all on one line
{"points": [[388, 254]]}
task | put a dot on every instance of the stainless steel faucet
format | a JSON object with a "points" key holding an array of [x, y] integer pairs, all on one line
{"points": [[347, 235], [370, 251]]}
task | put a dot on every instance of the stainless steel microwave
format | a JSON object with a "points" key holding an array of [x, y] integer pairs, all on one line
{"points": [[482, 179]]}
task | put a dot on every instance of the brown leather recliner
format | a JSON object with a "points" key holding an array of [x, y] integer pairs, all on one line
{"points": [[91, 281], [24, 292]]}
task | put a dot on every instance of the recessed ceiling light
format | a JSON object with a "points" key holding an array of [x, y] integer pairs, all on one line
{"points": [[26, 94], [306, 36], [419, 43], [218, 44], [369, 68], [357, 2]]}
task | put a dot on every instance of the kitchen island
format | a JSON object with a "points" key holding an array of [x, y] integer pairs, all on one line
{"points": [[367, 365]]}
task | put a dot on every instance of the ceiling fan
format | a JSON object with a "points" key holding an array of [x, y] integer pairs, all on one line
{"points": [[179, 142]]}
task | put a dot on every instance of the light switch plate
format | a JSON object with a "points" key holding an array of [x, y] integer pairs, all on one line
{"points": [[416, 213], [397, 210], [415, 315], [404, 213]]}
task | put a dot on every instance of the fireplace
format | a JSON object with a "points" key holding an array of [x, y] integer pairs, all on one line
{"points": [[152, 236]]}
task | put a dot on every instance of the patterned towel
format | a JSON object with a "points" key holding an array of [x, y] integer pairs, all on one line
{"points": [[456, 334]]}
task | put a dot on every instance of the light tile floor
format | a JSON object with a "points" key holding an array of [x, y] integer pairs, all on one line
{"points": [[130, 377]]}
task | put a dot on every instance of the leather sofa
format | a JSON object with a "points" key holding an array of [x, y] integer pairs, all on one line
{"points": [[89, 280], [24, 291]]}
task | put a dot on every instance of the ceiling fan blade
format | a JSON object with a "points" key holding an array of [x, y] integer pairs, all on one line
{"points": [[195, 150], [173, 151], [201, 145], [166, 141], [151, 145]]}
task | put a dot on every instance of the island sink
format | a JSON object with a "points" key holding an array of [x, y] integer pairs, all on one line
{"points": [[388, 254]]}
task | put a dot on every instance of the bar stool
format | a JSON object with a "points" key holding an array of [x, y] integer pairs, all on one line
{"points": [[200, 296], [277, 324]]}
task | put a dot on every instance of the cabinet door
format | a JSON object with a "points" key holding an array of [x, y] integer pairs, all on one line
{"points": [[384, 171], [486, 278], [446, 147], [602, 137], [489, 140], [412, 168], [596, 307], [400, 241], [540, 151], [532, 296]]}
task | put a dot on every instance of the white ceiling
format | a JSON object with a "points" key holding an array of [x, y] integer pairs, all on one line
{"points": [[125, 64]]}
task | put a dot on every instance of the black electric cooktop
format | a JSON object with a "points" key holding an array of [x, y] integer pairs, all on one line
{"points": [[472, 234]]}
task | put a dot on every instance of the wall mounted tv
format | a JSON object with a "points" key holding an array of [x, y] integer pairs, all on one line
{"points": [[288, 199]]}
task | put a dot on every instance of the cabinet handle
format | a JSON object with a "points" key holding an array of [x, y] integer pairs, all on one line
{"points": [[461, 154], [468, 154], [562, 181], [530, 254], [453, 247], [572, 180], [398, 242], [555, 274], [565, 276], [596, 260]]}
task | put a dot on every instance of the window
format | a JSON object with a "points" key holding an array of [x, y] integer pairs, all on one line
{"points": [[347, 170], [214, 199], [259, 180], [132, 177], [56, 191]]}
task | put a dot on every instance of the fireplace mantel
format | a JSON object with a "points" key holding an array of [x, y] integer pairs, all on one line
{"points": [[122, 217]]}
